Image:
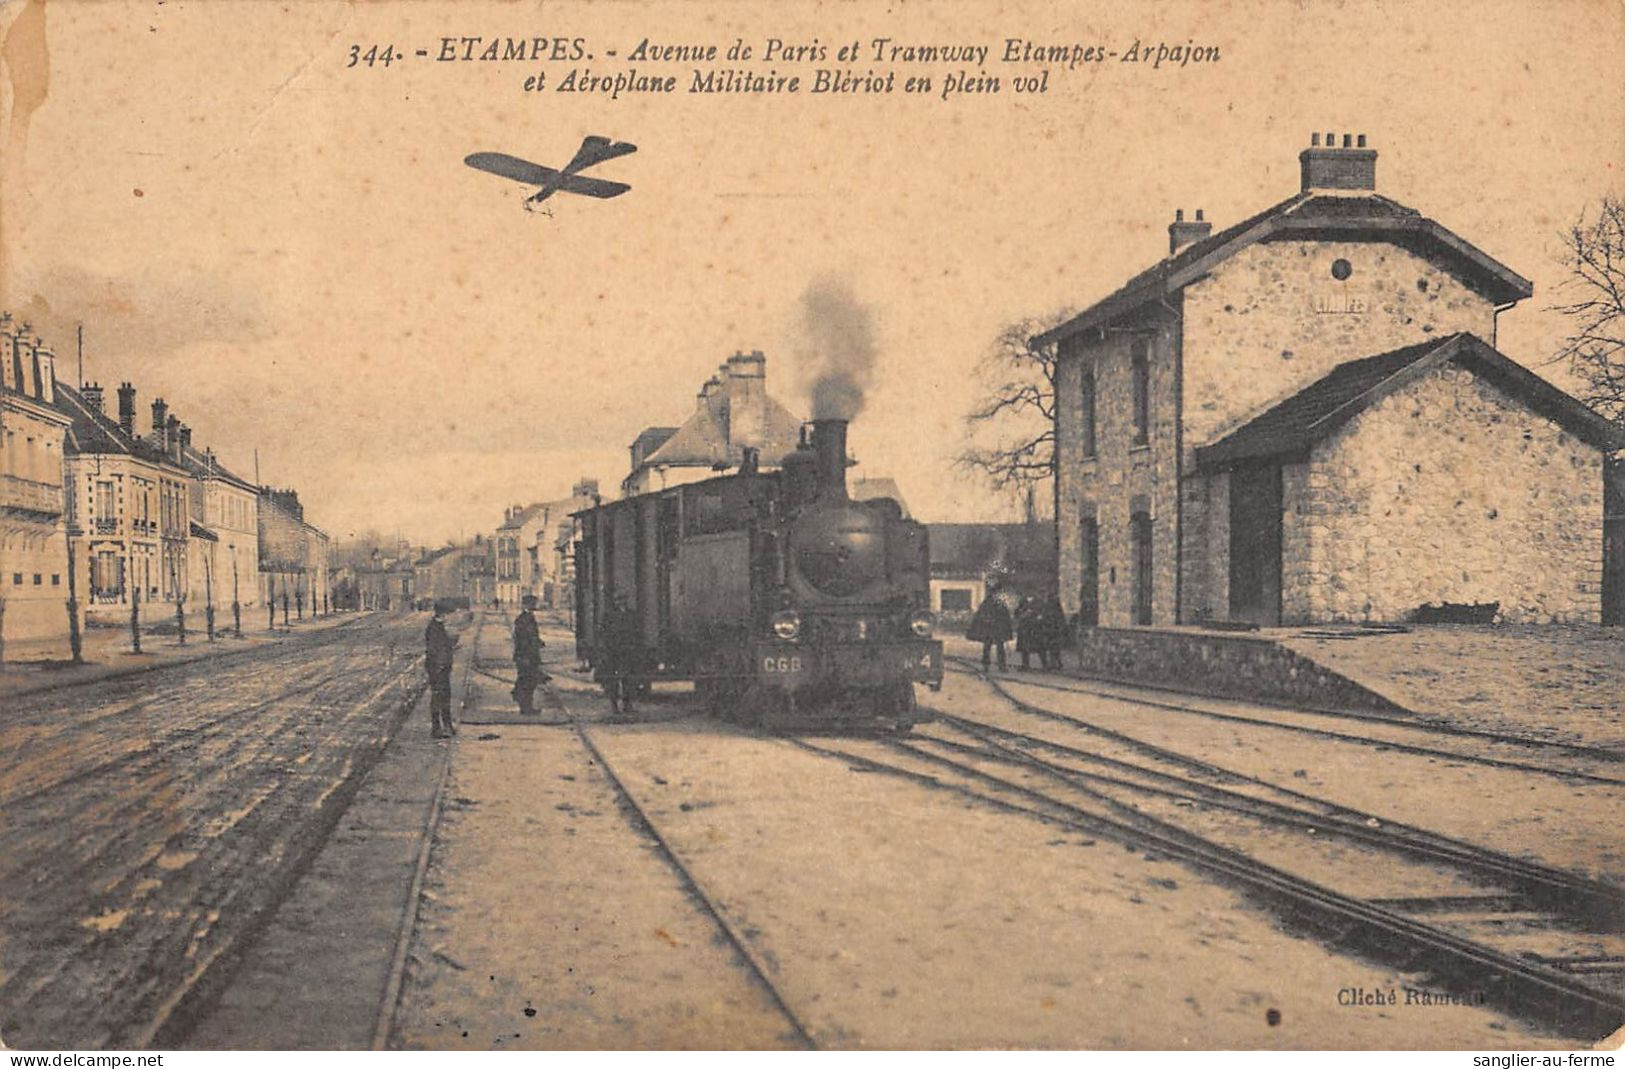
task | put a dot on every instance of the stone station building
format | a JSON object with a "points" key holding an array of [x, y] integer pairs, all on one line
{"points": [[1302, 418]]}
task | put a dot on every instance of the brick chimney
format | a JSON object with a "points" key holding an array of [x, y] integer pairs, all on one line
{"points": [[24, 376], [45, 373], [1181, 233], [186, 436], [747, 398], [126, 408], [160, 424], [172, 437], [1330, 167], [92, 393]]}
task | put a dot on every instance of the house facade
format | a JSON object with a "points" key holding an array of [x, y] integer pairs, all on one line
{"points": [[34, 583], [128, 501], [225, 534], [295, 557], [1303, 418]]}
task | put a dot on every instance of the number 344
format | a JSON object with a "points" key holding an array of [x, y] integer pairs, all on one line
{"points": [[373, 56]]}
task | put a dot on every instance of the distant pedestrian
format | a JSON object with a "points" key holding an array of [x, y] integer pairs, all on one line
{"points": [[527, 657], [991, 627], [1028, 639], [438, 646], [1052, 630], [616, 657]]}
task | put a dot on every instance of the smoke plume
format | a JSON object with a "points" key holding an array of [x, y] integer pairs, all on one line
{"points": [[840, 357]]}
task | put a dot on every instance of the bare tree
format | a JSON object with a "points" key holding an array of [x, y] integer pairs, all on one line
{"points": [[1010, 433], [1594, 253]]}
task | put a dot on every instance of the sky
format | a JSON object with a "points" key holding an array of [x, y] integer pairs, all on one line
{"points": [[291, 252]]}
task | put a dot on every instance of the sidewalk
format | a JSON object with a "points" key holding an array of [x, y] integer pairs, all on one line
{"points": [[107, 653]]}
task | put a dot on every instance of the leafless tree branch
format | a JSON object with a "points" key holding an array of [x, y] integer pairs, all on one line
{"points": [[1010, 431], [1594, 252]]}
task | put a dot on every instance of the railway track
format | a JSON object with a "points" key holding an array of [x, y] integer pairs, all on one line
{"points": [[752, 962], [1539, 943], [636, 814], [1582, 763]]}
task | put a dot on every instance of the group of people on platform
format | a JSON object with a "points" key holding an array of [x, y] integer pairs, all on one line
{"points": [[1039, 626]]}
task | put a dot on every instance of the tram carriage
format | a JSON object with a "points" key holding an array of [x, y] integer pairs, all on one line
{"points": [[785, 601]]}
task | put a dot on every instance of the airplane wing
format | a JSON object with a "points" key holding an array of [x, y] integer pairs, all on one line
{"points": [[513, 167], [595, 150], [591, 187]]}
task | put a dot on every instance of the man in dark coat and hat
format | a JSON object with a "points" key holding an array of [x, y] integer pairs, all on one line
{"points": [[616, 659], [527, 656], [438, 646], [991, 627]]}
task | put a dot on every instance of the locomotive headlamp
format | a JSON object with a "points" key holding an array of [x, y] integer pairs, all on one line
{"points": [[921, 623], [787, 624]]}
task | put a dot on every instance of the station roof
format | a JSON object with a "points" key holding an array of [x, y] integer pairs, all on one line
{"points": [[1313, 413], [1310, 215]]}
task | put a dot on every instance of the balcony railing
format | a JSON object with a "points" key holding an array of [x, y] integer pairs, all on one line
{"points": [[105, 525], [25, 495]]}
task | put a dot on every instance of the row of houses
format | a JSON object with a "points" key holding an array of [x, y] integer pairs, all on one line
{"points": [[103, 513], [530, 553]]}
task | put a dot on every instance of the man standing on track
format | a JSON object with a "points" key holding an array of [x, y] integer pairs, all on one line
{"points": [[438, 645], [617, 656], [527, 657]]}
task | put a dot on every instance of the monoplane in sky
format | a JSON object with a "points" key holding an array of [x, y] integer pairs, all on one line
{"points": [[593, 151]]}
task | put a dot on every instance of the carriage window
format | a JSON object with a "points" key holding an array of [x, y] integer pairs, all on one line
{"points": [[955, 601]]}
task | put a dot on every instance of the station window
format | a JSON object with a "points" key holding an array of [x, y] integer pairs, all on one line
{"points": [[1086, 423], [1140, 536], [1140, 369], [16, 578], [39, 580]]}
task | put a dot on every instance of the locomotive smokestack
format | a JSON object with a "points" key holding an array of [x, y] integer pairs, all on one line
{"points": [[829, 444]]}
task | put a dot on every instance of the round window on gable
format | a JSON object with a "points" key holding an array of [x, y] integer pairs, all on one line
{"points": [[1341, 269]]}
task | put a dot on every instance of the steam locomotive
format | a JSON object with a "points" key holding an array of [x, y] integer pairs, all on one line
{"points": [[787, 603]]}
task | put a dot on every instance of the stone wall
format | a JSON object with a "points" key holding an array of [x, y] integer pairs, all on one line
{"points": [[1272, 319], [1239, 666], [1269, 321], [1107, 485], [1299, 571], [1449, 491]]}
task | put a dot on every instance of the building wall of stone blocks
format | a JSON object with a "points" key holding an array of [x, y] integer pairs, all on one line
{"points": [[1302, 567], [1256, 332], [1106, 485], [1205, 555], [1448, 490]]}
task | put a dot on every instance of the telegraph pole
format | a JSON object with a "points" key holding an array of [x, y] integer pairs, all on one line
{"points": [[236, 603], [208, 592]]}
